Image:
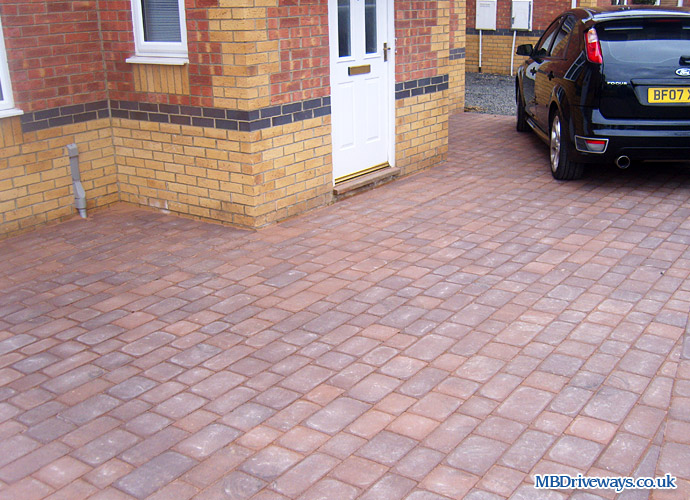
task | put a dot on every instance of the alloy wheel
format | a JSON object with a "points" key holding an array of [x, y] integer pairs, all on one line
{"points": [[555, 145]]}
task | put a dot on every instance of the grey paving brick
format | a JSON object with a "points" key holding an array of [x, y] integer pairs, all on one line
{"points": [[610, 404], [387, 448], [207, 440], [270, 463], [303, 475], [476, 454], [180, 405], [240, 486], [92, 408], [36, 362], [50, 429], [154, 474], [337, 415], [15, 447], [153, 445], [100, 334], [195, 355], [248, 415], [131, 388], [40, 413], [423, 382], [106, 447], [148, 343], [73, 378]]}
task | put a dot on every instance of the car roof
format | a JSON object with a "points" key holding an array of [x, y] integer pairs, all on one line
{"points": [[599, 14]]}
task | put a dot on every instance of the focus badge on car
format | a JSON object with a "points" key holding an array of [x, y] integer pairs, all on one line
{"points": [[683, 72]]}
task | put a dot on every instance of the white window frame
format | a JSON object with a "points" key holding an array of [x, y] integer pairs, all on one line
{"points": [[7, 102], [173, 53]]}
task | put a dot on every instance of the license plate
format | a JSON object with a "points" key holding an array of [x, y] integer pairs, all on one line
{"points": [[668, 95]]}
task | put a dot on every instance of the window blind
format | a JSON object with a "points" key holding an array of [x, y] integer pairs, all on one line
{"points": [[161, 20]]}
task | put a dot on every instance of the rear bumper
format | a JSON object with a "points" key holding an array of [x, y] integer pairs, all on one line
{"points": [[636, 139]]}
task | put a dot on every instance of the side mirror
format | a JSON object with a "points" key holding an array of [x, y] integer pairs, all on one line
{"points": [[525, 50]]}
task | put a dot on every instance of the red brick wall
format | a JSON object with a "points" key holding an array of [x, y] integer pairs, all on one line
{"points": [[454, 23], [302, 29], [54, 52], [118, 40], [56, 56], [415, 57], [544, 11], [72, 52], [118, 44]]}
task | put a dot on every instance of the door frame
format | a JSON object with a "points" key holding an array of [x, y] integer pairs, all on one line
{"points": [[390, 4], [389, 73]]}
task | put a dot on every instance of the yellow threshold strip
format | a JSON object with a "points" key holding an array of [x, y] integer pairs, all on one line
{"points": [[366, 171]]}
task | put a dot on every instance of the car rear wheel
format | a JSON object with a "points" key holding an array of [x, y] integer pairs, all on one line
{"points": [[563, 167], [521, 124]]}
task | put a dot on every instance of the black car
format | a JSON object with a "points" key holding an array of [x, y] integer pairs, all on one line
{"points": [[608, 85]]}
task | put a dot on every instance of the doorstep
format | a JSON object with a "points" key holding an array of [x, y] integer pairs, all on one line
{"points": [[366, 181]]}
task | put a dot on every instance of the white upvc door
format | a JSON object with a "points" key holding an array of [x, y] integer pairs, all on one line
{"points": [[362, 85]]}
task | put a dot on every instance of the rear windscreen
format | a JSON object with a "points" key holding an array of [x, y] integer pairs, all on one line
{"points": [[645, 41]]}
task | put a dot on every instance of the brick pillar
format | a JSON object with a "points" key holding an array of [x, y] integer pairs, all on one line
{"points": [[248, 55], [422, 78], [275, 69], [458, 24]]}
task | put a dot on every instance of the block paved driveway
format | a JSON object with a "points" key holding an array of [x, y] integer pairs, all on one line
{"points": [[445, 336]]}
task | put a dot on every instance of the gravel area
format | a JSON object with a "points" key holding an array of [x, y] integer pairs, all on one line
{"points": [[490, 94]]}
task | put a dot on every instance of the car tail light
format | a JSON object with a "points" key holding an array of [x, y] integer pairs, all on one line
{"points": [[593, 47]]}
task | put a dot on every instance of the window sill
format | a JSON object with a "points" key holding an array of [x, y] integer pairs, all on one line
{"points": [[162, 60], [5, 113]]}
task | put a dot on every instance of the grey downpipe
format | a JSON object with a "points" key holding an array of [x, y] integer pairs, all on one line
{"points": [[79, 193]]}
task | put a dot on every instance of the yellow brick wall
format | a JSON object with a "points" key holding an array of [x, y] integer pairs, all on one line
{"points": [[421, 131], [496, 53], [35, 178], [161, 78], [295, 170], [456, 101], [247, 179]]}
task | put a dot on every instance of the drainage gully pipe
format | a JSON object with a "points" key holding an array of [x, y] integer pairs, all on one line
{"points": [[480, 51], [512, 54], [79, 193]]}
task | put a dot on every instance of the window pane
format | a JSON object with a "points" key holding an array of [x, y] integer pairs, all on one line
{"points": [[370, 25], [161, 20], [2, 98], [647, 43], [544, 45], [344, 49], [562, 37]]}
